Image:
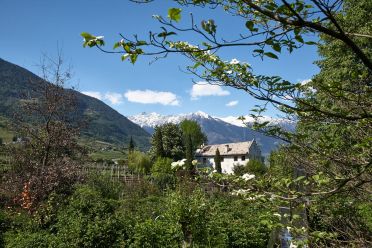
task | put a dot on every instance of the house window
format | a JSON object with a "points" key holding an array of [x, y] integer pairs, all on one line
{"points": [[204, 160], [243, 158], [222, 159], [236, 158]]}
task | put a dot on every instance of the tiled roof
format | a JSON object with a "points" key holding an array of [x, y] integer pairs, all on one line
{"points": [[238, 148]]}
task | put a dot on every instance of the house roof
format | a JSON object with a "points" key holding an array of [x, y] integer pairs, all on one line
{"points": [[238, 148]]}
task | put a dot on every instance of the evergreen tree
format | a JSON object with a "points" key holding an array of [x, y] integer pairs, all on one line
{"points": [[217, 161], [131, 145], [192, 128], [158, 143], [189, 153]]}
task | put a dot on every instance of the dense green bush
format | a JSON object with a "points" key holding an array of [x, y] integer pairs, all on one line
{"points": [[256, 167], [253, 166], [105, 185], [162, 173], [90, 220], [139, 162], [41, 239], [95, 216], [157, 233], [3, 227]]}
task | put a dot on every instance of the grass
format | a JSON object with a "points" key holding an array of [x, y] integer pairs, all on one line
{"points": [[103, 150], [108, 155]]}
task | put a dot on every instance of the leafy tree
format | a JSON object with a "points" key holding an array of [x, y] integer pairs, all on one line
{"points": [[167, 141], [131, 145], [48, 158], [1, 141], [217, 161], [157, 143], [255, 167], [192, 128], [139, 162]]}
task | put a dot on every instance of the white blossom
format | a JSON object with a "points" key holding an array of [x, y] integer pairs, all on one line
{"points": [[247, 176], [234, 62], [178, 164], [240, 192], [277, 215]]}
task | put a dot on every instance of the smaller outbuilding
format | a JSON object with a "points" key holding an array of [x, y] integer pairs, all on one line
{"points": [[232, 154]]}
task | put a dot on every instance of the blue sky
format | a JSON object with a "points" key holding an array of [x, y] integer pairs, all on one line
{"points": [[30, 28]]}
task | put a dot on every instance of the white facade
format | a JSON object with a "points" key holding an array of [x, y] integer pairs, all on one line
{"points": [[232, 154]]}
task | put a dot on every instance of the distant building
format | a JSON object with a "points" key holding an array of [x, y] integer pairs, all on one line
{"points": [[232, 154]]}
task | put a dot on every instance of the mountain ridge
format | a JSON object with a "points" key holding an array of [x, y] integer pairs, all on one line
{"points": [[106, 124], [217, 130]]}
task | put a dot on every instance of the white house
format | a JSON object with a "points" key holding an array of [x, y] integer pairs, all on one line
{"points": [[232, 154]]}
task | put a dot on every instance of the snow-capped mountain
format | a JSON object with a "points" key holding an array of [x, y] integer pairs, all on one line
{"points": [[249, 120], [218, 130], [148, 121]]}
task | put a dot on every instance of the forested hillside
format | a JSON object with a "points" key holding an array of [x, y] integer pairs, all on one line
{"points": [[104, 123]]}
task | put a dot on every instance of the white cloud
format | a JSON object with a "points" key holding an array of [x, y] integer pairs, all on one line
{"points": [[113, 98], [204, 89], [232, 103], [152, 97], [94, 94]]}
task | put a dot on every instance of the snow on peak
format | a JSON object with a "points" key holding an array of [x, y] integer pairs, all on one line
{"points": [[201, 114], [153, 119], [249, 120]]}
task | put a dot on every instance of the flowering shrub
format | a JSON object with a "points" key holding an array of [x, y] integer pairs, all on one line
{"points": [[180, 164], [248, 177]]}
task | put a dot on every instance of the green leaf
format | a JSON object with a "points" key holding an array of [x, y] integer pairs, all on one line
{"points": [[174, 14], [250, 25], [100, 42], [258, 51], [141, 43], [196, 65], [87, 36], [117, 44], [277, 47], [133, 58], [123, 57], [126, 48], [271, 55], [165, 34], [311, 43], [209, 26], [299, 38]]}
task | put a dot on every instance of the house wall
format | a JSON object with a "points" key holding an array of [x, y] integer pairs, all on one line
{"points": [[228, 162]]}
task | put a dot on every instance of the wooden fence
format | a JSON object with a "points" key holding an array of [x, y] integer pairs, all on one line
{"points": [[115, 172]]}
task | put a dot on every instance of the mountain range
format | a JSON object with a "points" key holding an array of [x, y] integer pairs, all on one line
{"points": [[218, 130], [105, 123]]}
